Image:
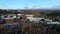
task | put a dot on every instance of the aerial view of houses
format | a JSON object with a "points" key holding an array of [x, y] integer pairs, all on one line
{"points": [[29, 20]]}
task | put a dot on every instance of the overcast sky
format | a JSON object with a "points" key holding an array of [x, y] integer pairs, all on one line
{"points": [[21, 4]]}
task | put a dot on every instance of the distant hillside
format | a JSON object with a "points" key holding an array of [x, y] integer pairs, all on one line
{"points": [[31, 11]]}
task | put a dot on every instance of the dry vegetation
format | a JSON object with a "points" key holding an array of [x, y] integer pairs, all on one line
{"points": [[32, 28]]}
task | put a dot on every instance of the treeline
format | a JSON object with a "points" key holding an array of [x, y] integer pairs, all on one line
{"points": [[8, 11], [42, 12]]}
